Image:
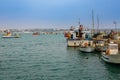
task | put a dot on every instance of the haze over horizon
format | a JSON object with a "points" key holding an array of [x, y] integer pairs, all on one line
{"points": [[58, 13]]}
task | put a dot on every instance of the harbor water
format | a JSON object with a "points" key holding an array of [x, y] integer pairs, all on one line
{"points": [[47, 57]]}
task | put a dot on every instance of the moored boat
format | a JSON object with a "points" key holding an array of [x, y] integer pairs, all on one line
{"points": [[36, 33], [87, 46], [75, 36], [9, 35], [73, 42], [111, 55]]}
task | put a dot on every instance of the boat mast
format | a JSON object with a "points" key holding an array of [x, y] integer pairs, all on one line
{"points": [[92, 21], [97, 23], [115, 23], [79, 22]]}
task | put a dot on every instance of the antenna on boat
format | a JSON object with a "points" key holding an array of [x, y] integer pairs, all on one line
{"points": [[97, 22], [92, 21], [115, 23], [79, 22]]}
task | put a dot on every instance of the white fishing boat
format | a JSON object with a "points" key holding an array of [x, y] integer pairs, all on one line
{"points": [[9, 35], [73, 42], [72, 38], [111, 55], [36, 33], [87, 46], [76, 36]]}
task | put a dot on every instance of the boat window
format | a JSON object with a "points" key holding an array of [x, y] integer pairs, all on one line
{"points": [[100, 42], [113, 47]]}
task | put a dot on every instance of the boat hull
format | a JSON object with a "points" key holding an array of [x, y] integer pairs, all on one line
{"points": [[10, 37], [100, 48], [115, 59], [87, 49], [73, 43]]}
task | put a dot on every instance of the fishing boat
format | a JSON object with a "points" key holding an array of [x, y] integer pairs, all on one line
{"points": [[72, 37], [87, 46], [9, 35], [36, 33], [100, 45], [111, 55], [75, 36], [73, 42]]}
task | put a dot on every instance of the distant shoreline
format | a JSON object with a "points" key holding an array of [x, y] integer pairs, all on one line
{"points": [[49, 30]]}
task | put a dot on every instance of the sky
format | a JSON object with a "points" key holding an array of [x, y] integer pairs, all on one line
{"points": [[58, 13]]}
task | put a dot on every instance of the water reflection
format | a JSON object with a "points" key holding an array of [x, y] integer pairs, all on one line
{"points": [[113, 71], [89, 63], [76, 50], [72, 48]]}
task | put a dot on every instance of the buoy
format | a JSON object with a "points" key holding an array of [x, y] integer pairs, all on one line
{"points": [[86, 57]]}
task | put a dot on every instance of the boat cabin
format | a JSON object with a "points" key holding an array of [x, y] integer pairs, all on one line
{"points": [[100, 43], [113, 48]]}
